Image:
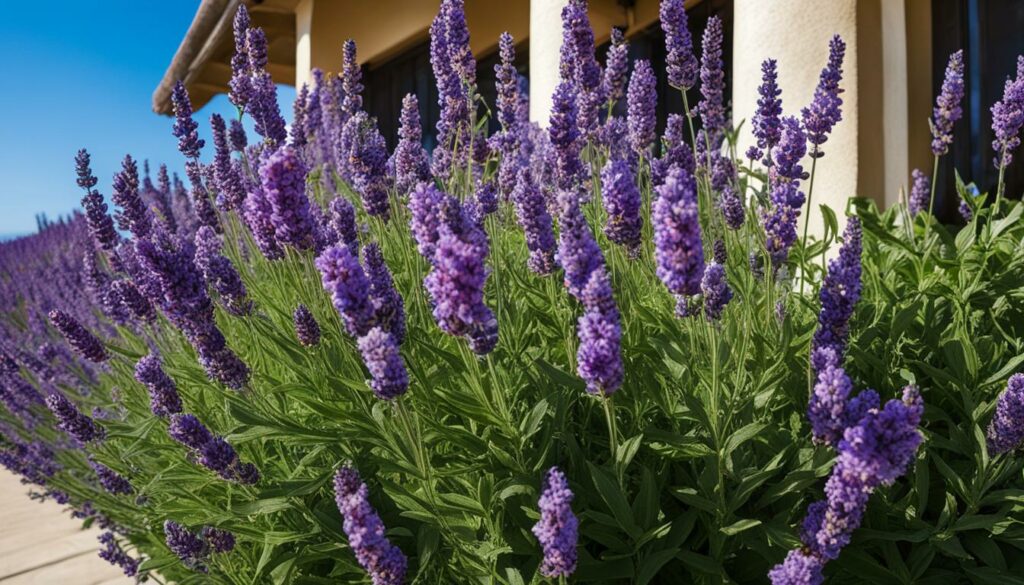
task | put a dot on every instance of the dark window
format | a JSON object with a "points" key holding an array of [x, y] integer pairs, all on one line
{"points": [[410, 72], [988, 31]]}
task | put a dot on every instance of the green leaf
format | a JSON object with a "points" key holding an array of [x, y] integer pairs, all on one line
{"points": [[740, 526]]}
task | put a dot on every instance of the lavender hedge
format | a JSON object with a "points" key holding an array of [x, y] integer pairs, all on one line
{"points": [[583, 353]]}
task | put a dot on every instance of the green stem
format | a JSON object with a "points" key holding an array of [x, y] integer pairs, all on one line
{"points": [[807, 216]]}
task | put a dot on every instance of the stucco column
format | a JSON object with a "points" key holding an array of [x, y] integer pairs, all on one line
{"points": [[545, 42], [796, 33], [303, 42]]}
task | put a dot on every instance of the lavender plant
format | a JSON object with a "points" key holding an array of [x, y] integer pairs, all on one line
{"points": [[579, 353]]}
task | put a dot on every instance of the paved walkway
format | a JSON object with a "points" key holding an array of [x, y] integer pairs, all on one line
{"points": [[42, 545]]}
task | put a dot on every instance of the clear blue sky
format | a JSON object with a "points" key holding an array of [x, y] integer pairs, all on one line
{"points": [[81, 75]]}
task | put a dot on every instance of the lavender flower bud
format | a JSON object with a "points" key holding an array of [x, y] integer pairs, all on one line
{"points": [[616, 67], [109, 479], [189, 431], [411, 165], [680, 62], [307, 330], [799, 568], [134, 216], [78, 337], [947, 105], [532, 216], [72, 421], [368, 159], [712, 83], [599, 357], [678, 248], [185, 128], [557, 529], [184, 543], [565, 137], [642, 100], [351, 79], [1006, 431], [767, 121], [389, 309], [344, 279], [389, 378], [717, 293], [840, 292], [383, 562], [920, 193], [228, 176], [163, 392], [825, 112], [220, 273], [115, 555], [284, 184], [578, 253], [621, 200], [129, 297], [218, 541]]}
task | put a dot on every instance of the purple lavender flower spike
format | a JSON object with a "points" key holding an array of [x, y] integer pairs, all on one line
{"points": [[1008, 118], [389, 378], [920, 193], [616, 67], [351, 79], [507, 81], [163, 392], [189, 431], [382, 561], [231, 190], [220, 273], [427, 208], [411, 164], [731, 206], [457, 35], [456, 285], [134, 216], [219, 456], [266, 112], [72, 421], [712, 84], [621, 200], [767, 121], [389, 309], [219, 541], [680, 61], [678, 248], [115, 555], [202, 208], [258, 216], [184, 543], [578, 253], [185, 128], [283, 175], [101, 226], [580, 67], [367, 161], [349, 288], [717, 293], [780, 220], [237, 137], [239, 85], [110, 479], [85, 343], [130, 298], [599, 357], [641, 99], [827, 408], [307, 330], [565, 137], [825, 109], [947, 105], [533, 217], [343, 222], [487, 197], [557, 529], [1006, 431], [799, 568], [675, 151], [840, 292]]}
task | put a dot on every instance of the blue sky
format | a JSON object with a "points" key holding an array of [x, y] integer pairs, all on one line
{"points": [[77, 75]]}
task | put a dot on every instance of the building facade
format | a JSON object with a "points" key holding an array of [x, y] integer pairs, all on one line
{"points": [[896, 55]]}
